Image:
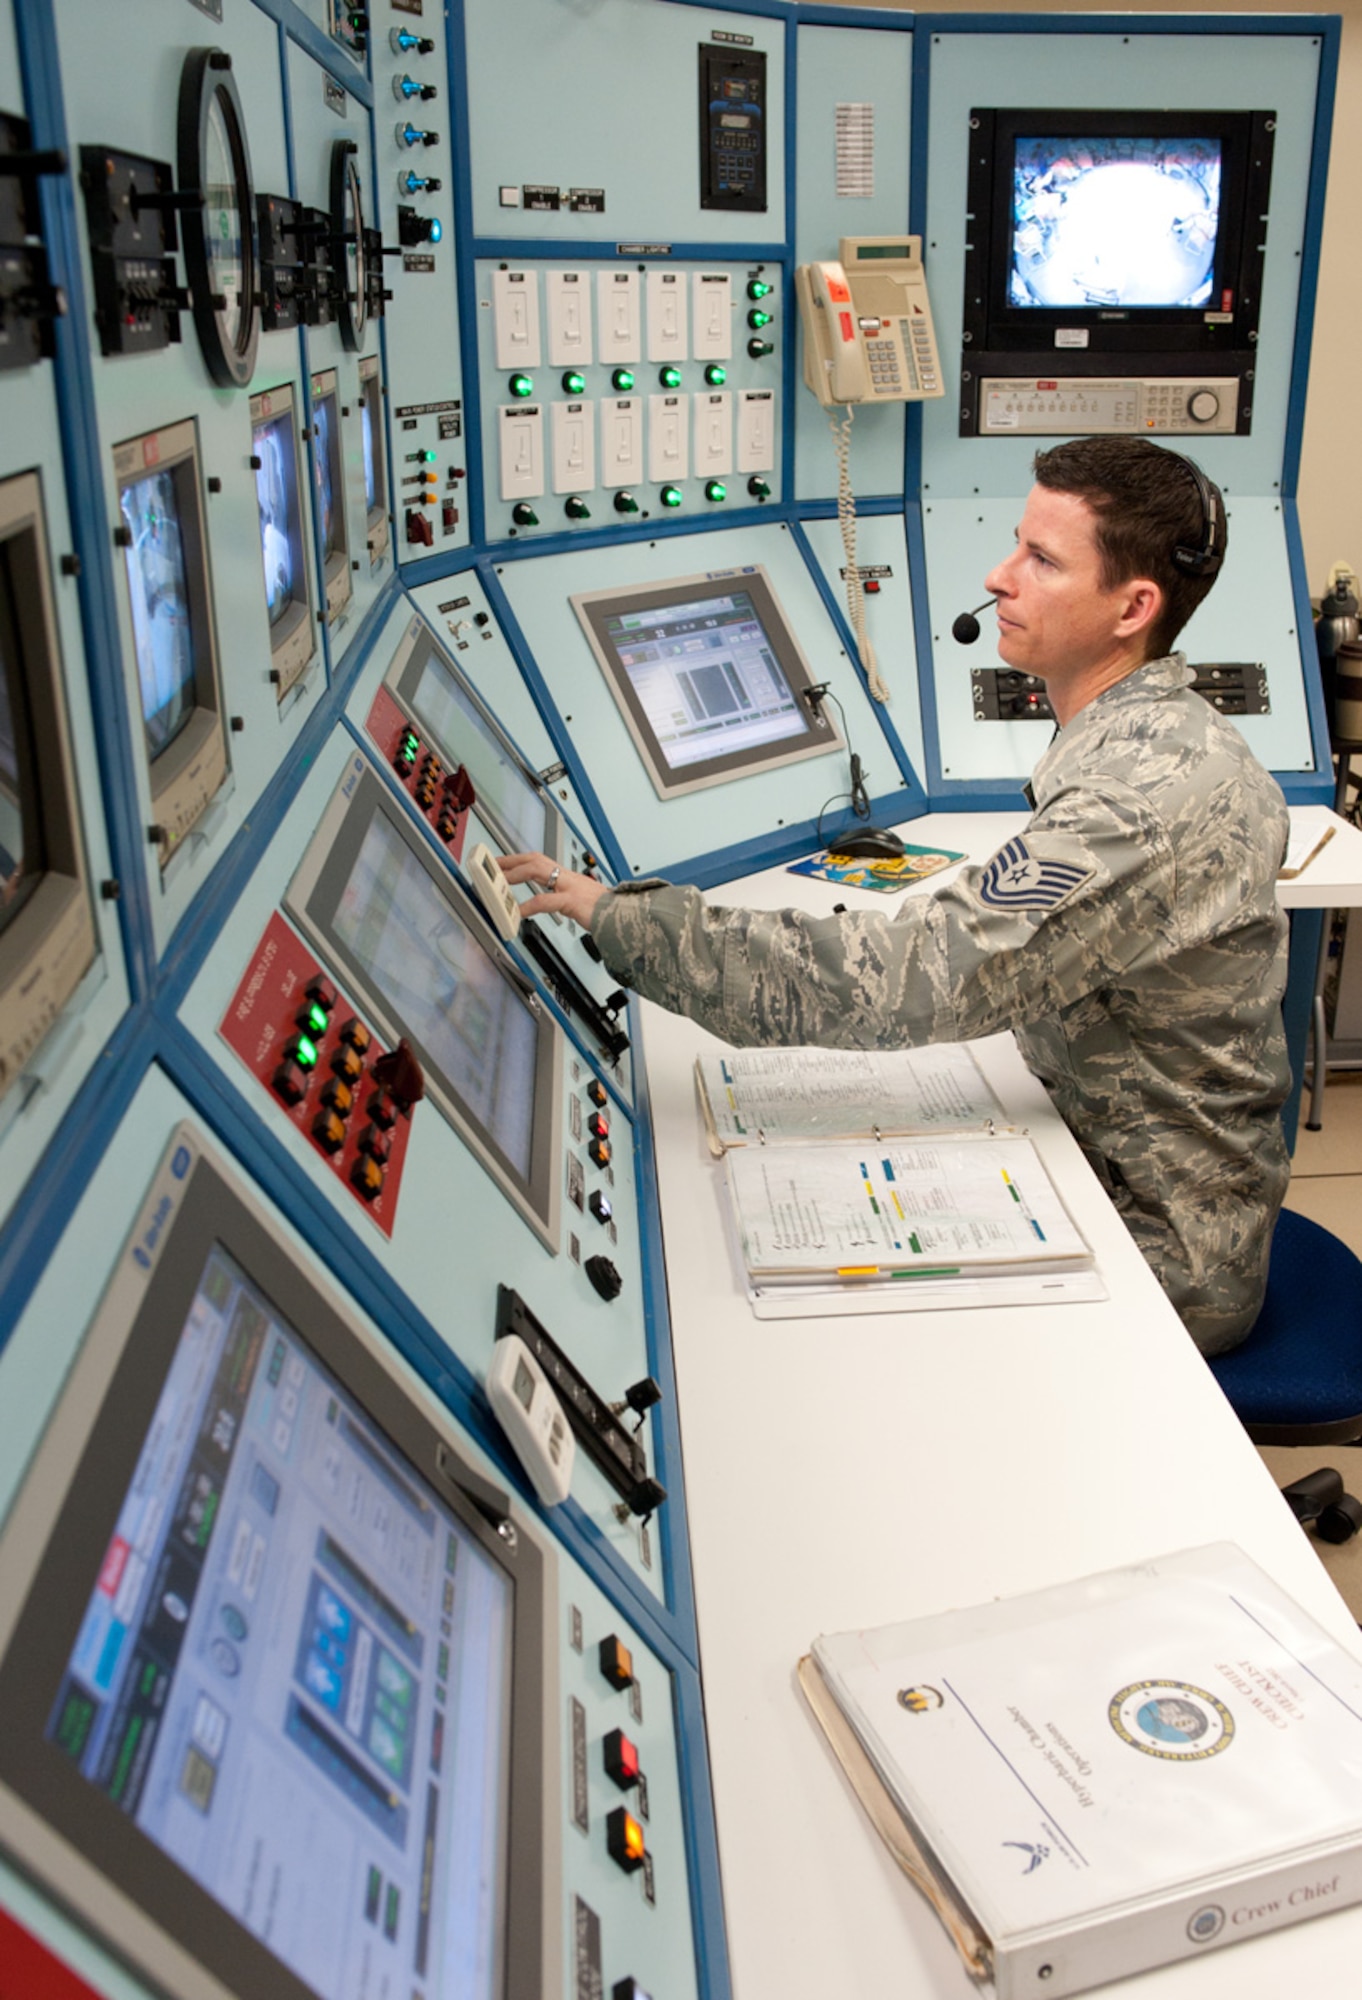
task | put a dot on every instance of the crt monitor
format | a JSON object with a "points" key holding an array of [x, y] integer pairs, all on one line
{"points": [[162, 532], [276, 458], [400, 936], [373, 434], [48, 938], [328, 461], [708, 676], [277, 1719], [511, 802]]}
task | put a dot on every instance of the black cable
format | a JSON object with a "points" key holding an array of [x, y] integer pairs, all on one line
{"points": [[858, 798]]}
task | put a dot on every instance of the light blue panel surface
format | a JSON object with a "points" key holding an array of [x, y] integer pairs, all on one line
{"points": [[849, 66], [121, 70], [317, 124], [658, 835], [881, 544], [457, 1237], [1246, 72], [481, 654], [653, 1942], [1249, 615], [743, 372], [607, 96], [35, 1105], [421, 324]]}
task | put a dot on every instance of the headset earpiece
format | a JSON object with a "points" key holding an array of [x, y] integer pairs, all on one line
{"points": [[1206, 560]]}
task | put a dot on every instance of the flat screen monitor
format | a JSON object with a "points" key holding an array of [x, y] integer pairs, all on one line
{"points": [[328, 462], [383, 911], [1117, 232], [48, 937], [170, 608], [511, 802], [274, 1691], [373, 433], [276, 456], [708, 676]]}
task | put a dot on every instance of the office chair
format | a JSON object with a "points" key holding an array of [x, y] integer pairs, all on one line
{"points": [[1297, 1378]]}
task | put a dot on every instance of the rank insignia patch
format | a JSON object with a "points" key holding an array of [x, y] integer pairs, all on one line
{"points": [[1015, 880]]}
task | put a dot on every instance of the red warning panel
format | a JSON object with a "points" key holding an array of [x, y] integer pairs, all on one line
{"points": [[440, 795], [28, 1971], [296, 1031]]}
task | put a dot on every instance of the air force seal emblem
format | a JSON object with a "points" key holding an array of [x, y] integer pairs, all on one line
{"points": [[1016, 880]]}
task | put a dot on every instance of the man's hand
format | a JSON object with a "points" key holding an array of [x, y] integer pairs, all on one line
{"points": [[559, 889]]}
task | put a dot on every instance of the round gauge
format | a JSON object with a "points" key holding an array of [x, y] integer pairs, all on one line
{"points": [[347, 238], [219, 226]]}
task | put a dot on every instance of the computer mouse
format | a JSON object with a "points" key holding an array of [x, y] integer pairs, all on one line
{"points": [[866, 843]]}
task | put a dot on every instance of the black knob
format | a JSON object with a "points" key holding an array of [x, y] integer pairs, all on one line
{"points": [[604, 1277]]}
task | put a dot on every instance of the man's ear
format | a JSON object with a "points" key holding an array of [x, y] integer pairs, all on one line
{"points": [[1143, 601]]}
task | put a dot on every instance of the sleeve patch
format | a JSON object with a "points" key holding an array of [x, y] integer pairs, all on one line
{"points": [[1016, 880]]}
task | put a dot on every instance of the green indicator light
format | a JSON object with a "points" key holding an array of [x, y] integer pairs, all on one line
{"points": [[574, 383], [306, 1053], [716, 490], [577, 509], [759, 319], [420, 458], [758, 289], [316, 1020], [715, 375], [759, 489], [623, 380], [411, 743], [671, 496], [670, 378], [522, 385]]}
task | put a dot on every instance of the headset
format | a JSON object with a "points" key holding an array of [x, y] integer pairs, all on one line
{"points": [[1206, 560]]}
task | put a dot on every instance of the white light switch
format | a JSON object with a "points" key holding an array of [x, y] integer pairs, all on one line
{"points": [[756, 430], [711, 299], [568, 300], [667, 454], [574, 446], [621, 441], [666, 315], [618, 315], [522, 450], [713, 433], [515, 309]]}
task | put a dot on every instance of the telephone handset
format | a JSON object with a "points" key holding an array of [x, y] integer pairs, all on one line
{"points": [[868, 335]]}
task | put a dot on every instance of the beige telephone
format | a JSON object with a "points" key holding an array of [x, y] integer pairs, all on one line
{"points": [[868, 334]]}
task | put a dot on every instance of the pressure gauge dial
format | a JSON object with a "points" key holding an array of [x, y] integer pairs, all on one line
{"points": [[219, 221], [347, 238]]}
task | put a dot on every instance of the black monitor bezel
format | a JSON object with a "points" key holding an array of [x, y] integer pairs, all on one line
{"points": [[993, 326], [312, 899], [336, 567], [52, 939], [819, 735], [418, 645], [86, 1851], [293, 639]]}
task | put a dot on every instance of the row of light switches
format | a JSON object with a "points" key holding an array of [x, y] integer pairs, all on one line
{"points": [[573, 432], [689, 315]]}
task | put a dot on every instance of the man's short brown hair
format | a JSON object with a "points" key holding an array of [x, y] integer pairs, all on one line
{"points": [[1147, 502]]}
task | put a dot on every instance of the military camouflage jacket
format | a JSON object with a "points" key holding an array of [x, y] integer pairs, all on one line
{"points": [[1130, 936]]}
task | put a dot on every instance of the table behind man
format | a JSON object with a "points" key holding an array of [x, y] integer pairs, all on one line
{"points": [[1130, 934]]}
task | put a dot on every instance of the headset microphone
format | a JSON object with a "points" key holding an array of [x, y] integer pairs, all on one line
{"points": [[966, 627]]}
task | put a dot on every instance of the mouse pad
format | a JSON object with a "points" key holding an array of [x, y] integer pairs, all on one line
{"points": [[887, 875]]}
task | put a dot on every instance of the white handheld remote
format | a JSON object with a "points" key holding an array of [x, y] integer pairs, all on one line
{"points": [[494, 890], [531, 1415]]}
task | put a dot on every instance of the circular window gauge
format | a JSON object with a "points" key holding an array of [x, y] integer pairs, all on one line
{"points": [[219, 227], [347, 236]]}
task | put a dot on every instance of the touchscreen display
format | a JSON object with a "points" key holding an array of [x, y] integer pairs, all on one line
{"points": [[468, 1022], [706, 676], [1114, 222], [445, 709], [293, 1670], [330, 499], [158, 589]]}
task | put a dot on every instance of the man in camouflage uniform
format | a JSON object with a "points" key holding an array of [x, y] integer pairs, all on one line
{"points": [[1130, 935]]}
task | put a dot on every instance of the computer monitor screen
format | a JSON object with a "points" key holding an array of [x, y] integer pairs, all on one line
{"points": [[708, 676], [510, 801], [375, 471], [281, 520], [22, 857], [1114, 221], [398, 931], [271, 1668], [330, 484], [158, 593]]}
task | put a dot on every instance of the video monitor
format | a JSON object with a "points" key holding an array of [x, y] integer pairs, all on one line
{"points": [[276, 1701], [1117, 232], [174, 644], [48, 937], [708, 676], [397, 932], [328, 462], [277, 459], [374, 435], [511, 803]]}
